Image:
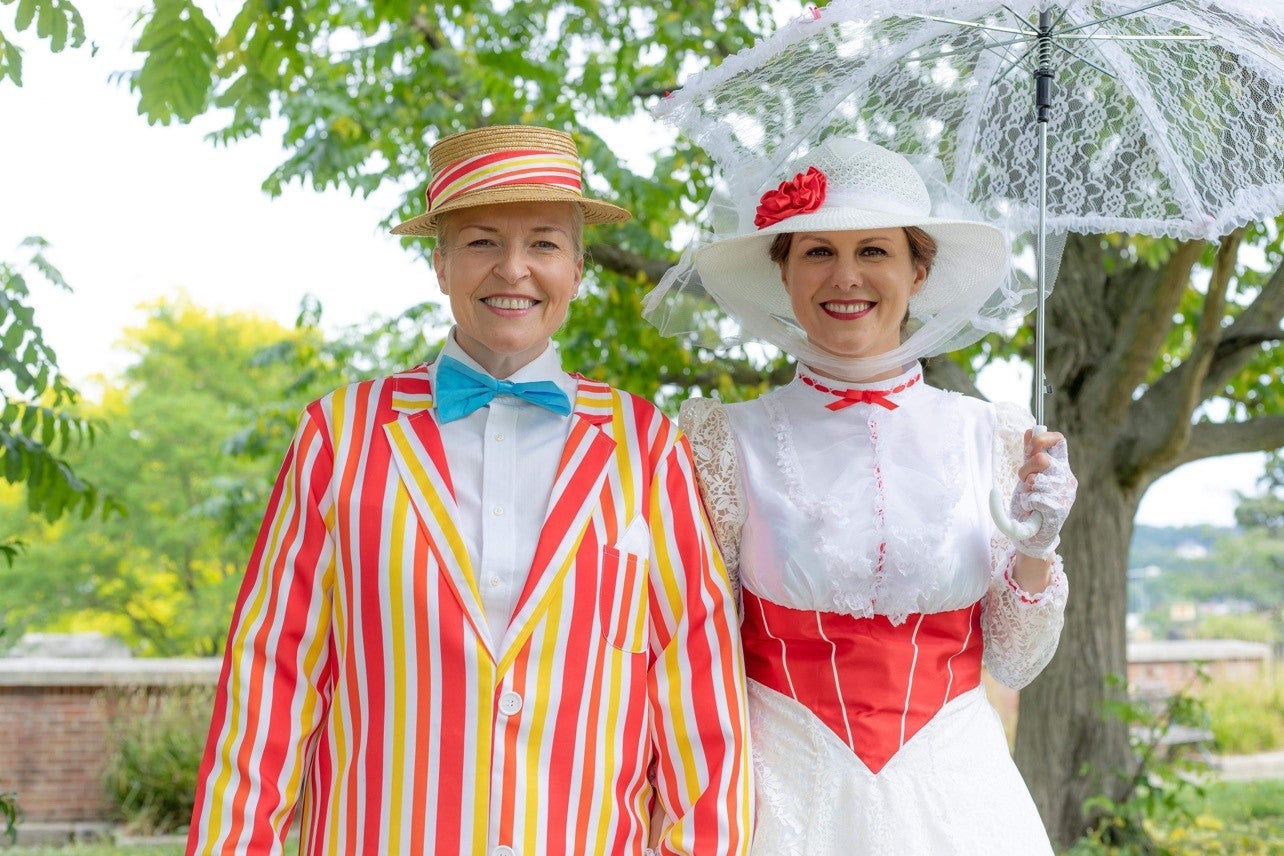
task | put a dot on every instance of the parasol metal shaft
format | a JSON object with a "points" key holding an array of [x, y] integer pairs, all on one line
{"points": [[1043, 102], [1043, 75]]}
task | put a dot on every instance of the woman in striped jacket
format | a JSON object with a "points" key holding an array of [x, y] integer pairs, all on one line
{"points": [[484, 614]]}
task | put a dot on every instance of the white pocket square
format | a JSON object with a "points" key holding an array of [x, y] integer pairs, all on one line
{"points": [[636, 539]]}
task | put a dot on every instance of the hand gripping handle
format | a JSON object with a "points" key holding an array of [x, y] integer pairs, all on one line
{"points": [[1014, 529]]}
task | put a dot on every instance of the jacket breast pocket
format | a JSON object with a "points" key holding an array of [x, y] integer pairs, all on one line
{"points": [[622, 600]]}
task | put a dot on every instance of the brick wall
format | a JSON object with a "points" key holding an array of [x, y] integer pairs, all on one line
{"points": [[56, 715], [55, 719], [1169, 666]]}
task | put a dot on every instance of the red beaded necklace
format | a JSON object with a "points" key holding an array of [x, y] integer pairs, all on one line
{"points": [[848, 397]]}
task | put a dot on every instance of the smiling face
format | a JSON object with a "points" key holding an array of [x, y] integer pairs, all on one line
{"points": [[510, 271], [850, 290]]}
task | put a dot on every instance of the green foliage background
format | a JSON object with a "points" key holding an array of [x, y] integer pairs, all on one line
{"points": [[163, 574], [1160, 352]]}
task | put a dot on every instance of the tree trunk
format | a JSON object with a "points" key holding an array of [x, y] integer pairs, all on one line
{"points": [[1065, 748]]}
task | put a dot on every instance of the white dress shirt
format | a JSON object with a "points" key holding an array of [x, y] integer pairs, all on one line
{"points": [[503, 459]]}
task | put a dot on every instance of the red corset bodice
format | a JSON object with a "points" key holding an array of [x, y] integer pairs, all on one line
{"points": [[874, 684]]}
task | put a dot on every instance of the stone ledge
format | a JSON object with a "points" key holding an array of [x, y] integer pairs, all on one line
{"points": [[115, 672], [1192, 650], [60, 833]]}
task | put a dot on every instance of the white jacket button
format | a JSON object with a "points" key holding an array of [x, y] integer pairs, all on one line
{"points": [[509, 704]]}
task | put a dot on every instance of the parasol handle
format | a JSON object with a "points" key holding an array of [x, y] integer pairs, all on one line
{"points": [[1017, 530]]}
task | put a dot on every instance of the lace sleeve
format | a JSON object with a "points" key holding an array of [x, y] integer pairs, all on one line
{"points": [[1021, 630], [718, 469]]}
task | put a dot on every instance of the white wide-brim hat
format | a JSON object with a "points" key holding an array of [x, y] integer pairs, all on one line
{"points": [[864, 186]]}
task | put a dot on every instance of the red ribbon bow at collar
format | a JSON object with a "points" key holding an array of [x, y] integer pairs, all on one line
{"points": [[848, 397], [802, 194]]}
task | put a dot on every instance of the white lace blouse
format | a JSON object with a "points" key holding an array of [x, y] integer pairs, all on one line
{"points": [[866, 510]]}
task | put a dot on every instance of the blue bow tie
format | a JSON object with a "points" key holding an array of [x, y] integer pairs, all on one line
{"points": [[461, 390]]}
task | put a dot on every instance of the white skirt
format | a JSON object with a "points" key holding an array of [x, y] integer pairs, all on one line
{"points": [[951, 790]]}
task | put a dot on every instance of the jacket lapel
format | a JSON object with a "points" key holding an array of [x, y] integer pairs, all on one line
{"points": [[420, 458], [580, 475]]}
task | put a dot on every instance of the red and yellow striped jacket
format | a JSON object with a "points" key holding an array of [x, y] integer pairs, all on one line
{"points": [[359, 673]]}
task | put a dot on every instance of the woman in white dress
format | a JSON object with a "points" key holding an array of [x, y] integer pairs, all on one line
{"points": [[852, 505]]}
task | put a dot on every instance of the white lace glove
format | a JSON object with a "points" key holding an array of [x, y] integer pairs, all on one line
{"points": [[1048, 488]]}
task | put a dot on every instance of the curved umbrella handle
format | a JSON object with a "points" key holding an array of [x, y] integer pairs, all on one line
{"points": [[1017, 530], [1014, 529]]}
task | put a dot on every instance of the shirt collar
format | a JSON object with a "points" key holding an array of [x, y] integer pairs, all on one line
{"points": [[547, 366]]}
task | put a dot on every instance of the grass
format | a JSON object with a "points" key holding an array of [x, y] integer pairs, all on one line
{"points": [[291, 846], [1246, 717], [1232, 818]]}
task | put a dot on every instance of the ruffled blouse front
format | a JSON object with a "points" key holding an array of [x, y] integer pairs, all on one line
{"points": [[865, 510]]}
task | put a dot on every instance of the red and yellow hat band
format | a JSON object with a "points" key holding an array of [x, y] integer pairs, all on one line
{"points": [[499, 169]]}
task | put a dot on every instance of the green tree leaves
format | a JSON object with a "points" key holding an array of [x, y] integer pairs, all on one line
{"points": [[163, 576], [38, 424], [56, 21], [177, 76]]}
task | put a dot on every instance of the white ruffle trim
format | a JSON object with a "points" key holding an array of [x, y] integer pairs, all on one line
{"points": [[890, 567]]}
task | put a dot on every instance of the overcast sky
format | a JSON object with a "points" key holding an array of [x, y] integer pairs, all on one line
{"points": [[135, 213]]}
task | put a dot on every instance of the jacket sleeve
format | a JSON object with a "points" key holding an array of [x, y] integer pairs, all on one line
{"points": [[1021, 630], [696, 684], [273, 689]]}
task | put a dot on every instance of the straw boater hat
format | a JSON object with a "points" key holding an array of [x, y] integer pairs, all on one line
{"points": [[847, 184], [505, 163]]}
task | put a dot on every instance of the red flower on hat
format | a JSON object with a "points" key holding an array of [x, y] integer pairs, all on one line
{"points": [[800, 195]]}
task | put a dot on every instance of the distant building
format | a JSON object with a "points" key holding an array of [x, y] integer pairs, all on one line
{"points": [[1163, 667], [1191, 551]]}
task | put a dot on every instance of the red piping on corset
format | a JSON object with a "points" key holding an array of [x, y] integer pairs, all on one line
{"points": [[874, 684]]}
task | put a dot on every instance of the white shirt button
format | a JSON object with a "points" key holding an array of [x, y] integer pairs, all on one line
{"points": [[504, 850], [499, 436], [494, 582], [509, 704], [498, 511]]}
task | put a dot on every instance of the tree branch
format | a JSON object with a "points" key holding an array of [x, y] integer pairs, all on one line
{"points": [[653, 91], [741, 374], [1162, 416], [1209, 332], [1212, 439], [1257, 324], [1141, 336], [944, 373], [619, 260], [424, 27]]}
